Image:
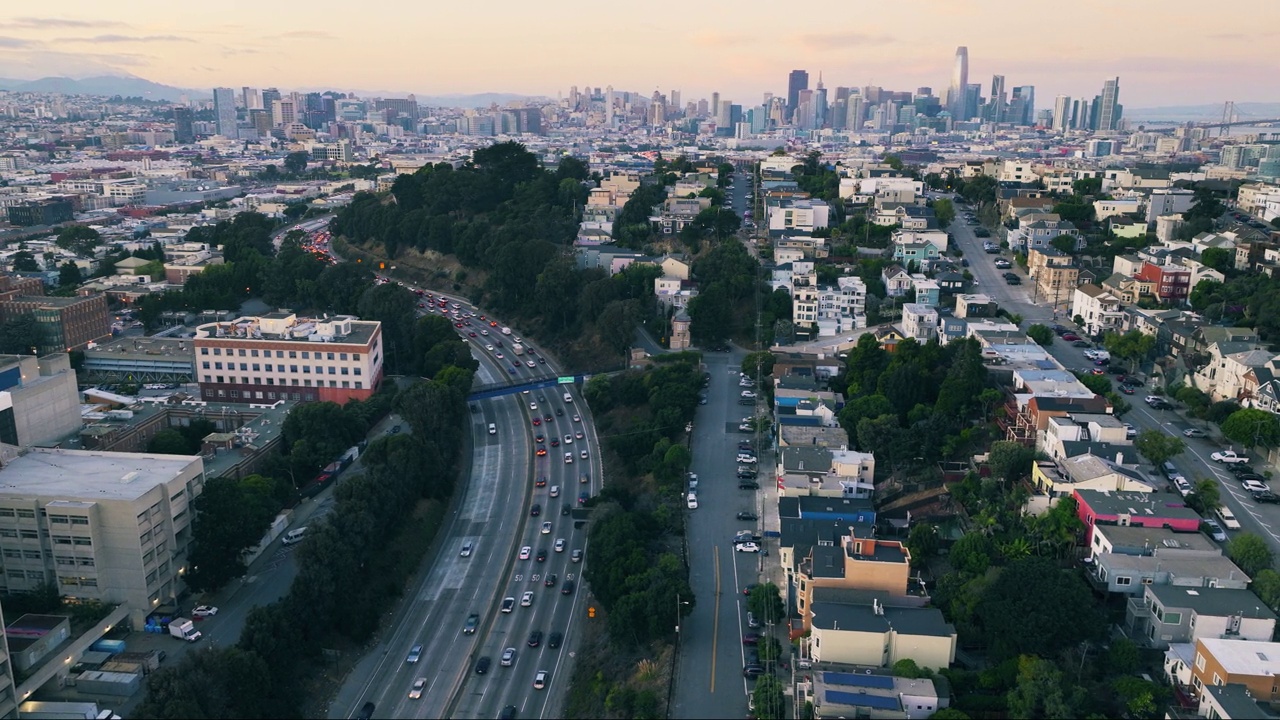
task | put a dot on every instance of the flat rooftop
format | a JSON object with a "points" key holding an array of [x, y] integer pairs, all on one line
{"points": [[143, 348], [89, 475]]}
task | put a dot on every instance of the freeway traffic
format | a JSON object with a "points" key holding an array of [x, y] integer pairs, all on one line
{"points": [[477, 564]]}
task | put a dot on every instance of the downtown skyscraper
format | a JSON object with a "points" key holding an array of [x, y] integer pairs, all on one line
{"points": [[1109, 107], [957, 93], [224, 111], [798, 80]]}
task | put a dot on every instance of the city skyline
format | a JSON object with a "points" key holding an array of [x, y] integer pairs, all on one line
{"points": [[742, 57]]}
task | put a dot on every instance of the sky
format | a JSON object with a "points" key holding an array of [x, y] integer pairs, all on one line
{"points": [[1166, 52]]}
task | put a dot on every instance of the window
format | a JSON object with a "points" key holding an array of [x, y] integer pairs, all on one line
{"points": [[293, 368], [341, 356], [220, 380], [85, 562], [1217, 679], [7, 512], [253, 353], [293, 353], [27, 514], [217, 351], [241, 352], [279, 353], [333, 383], [82, 542], [346, 384], [218, 366], [79, 520], [204, 351], [256, 367], [357, 371], [205, 364], [1199, 661], [177, 496], [306, 369], [222, 393], [329, 356], [244, 367], [17, 575], [306, 383], [29, 534], [12, 553], [359, 385], [1173, 618], [306, 355], [333, 370], [235, 393], [268, 367], [31, 554], [344, 370], [356, 357]]}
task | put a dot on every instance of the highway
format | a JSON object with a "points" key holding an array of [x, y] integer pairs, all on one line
{"points": [[494, 514], [1194, 463]]}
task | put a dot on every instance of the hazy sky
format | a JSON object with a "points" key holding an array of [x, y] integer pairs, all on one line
{"points": [[1165, 51]]}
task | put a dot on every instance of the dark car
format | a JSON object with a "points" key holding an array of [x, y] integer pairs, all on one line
{"points": [[1240, 469], [551, 580], [583, 497], [745, 475], [748, 516], [1131, 381], [366, 711], [535, 638], [1126, 389], [559, 412], [508, 713], [567, 588], [750, 639], [536, 510], [548, 418], [473, 621], [1082, 344], [482, 665], [746, 589], [554, 641], [566, 509], [1266, 497], [542, 555], [1102, 362], [748, 485]]}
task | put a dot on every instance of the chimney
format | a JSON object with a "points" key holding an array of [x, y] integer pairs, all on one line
{"points": [[1119, 458]]}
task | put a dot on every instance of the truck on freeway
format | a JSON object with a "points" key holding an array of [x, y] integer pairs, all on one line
{"points": [[517, 348]]}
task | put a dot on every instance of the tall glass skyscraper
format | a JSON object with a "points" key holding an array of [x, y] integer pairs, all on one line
{"points": [[224, 111], [798, 80], [957, 94], [1109, 110]]}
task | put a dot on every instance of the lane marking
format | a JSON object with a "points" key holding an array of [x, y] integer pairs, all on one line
{"points": [[715, 625]]}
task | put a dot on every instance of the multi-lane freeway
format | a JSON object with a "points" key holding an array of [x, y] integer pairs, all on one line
{"points": [[479, 562]]}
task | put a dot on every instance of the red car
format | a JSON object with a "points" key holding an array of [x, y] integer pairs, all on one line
{"points": [[1071, 337], [537, 421]]}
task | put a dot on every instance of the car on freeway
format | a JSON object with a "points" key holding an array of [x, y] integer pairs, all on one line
{"points": [[415, 693], [555, 442], [748, 516], [536, 510], [560, 543], [540, 680], [566, 509], [747, 547], [535, 638], [530, 363], [482, 665], [540, 452], [578, 434], [1192, 432], [568, 439], [537, 422], [203, 611], [525, 552], [1254, 486], [542, 555], [582, 454], [473, 622], [546, 528], [366, 711], [508, 657], [508, 604], [493, 429], [555, 491], [526, 599], [567, 588], [415, 654], [554, 640], [577, 419], [551, 580], [568, 458], [548, 418], [576, 556]]}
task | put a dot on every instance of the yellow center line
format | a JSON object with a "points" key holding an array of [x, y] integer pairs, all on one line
{"points": [[715, 624]]}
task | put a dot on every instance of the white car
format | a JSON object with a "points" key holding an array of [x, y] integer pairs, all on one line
{"points": [[749, 547], [508, 657], [693, 501], [746, 459], [1229, 457], [546, 528], [530, 363], [582, 454], [555, 491], [533, 406], [498, 355], [568, 458], [559, 546], [508, 604], [526, 599], [467, 548], [748, 394], [205, 611], [493, 429], [1130, 431], [1253, 486], [1183, 486], [525, 552], [418, 686], [577, 419], [1194, 433], [568, 439], [489, 348], [540, 680]]}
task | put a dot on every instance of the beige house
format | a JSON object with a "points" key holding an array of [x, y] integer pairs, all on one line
{"points": [[1225, 375], [1100, 310], [877, 635], [857, 563]]}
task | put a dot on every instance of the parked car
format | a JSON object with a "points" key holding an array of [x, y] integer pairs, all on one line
{"points": [[1254, 486], [748, 516], [1266, 497], [747, 547], [1213, 529], [1071, 337], [1229, 457], [1193, 432]]}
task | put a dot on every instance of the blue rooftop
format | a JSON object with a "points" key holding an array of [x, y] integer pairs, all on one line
{"points": [[871, 681], [883, 702]]}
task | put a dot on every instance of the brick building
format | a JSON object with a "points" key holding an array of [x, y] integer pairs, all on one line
{"points": [[280, 356], [68, 323]]}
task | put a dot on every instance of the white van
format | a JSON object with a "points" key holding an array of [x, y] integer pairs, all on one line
{"points": [[568, 398], [1228, 518], [294, 536]]}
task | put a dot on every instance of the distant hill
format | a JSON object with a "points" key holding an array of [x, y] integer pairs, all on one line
{"points": [[108, 85], [1202, 113]]}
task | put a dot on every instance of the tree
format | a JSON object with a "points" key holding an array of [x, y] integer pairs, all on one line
{"points": [[1035, 607], [1010, 461], [1064, 243], [1041, 334], [1251, 427], [1267, 585], [168, 442], [24, 261], [1251, 553], [295, 163], [971, 554], [1137, 695], [1133, 346], [1040, 692], [1205, 497], [1157, 447], [945, 211], [80, 239], [758, 362], [1087, 186], [231, 516], [69, 274], [923, 542], [21, 336], [765, 602], [767, 698], [1219, 259]]}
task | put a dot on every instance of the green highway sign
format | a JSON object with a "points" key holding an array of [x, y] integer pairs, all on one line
{"points": [[565, 380]]}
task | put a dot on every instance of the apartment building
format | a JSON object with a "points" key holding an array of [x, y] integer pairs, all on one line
{"points": [[1223, 661], [66, 323], [1099, 309], [111, 527], [878, 635], [799, 216], [1166, 614], [853, 563], [39, 400], [280, 356], [825, 472], [1172, 283]]}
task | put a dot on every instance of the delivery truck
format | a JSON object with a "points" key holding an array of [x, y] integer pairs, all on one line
{"points": [[184, 629]]}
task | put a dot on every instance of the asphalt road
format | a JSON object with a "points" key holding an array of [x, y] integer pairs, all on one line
{"points": [[1194, 463], [709, 678], [494, 514]]}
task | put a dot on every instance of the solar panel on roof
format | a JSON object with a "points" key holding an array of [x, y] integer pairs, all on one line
{"points": [[856, 680], [840, 697]]}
